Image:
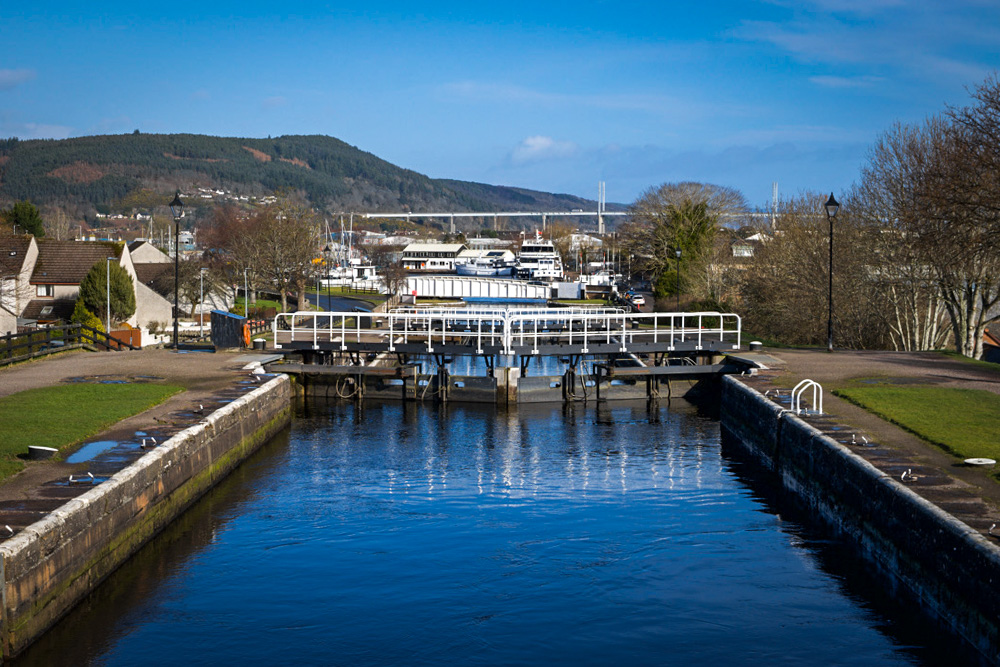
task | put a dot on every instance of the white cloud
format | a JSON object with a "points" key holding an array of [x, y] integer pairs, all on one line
{"points": [[9, 78], [539, 148], [926, 40]]}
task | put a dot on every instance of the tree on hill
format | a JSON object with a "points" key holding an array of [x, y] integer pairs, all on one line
{"points": [[25, 218], [94, 291]]}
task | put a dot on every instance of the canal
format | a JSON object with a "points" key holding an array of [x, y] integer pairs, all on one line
{"points": [[391, 533]]}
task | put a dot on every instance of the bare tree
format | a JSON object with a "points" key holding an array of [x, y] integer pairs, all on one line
{"points": [[951, 168], [887, 203], [784, 289], [290, 241]]}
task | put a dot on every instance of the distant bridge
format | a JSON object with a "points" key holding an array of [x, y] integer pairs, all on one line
{"points": [[544, 215]]}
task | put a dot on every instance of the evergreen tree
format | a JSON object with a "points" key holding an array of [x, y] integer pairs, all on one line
{"points": [[94, 290], [25, 216], [83, 316]]}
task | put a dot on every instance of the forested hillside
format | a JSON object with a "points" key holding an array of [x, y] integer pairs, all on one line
{"points": [[102, 171]]}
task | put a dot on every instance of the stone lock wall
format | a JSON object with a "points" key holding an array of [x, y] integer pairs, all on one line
{"points": [[52, 564], [923, 554]]}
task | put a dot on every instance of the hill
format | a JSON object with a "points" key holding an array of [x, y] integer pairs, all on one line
{"points": [[106, 172]]}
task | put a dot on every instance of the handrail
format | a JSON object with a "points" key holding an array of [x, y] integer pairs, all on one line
{"points": [[511, 329], [800, 388]]}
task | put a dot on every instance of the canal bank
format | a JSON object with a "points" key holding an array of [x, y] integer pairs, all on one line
{"points": [[923, 554], [834, 487], [51, 564]]}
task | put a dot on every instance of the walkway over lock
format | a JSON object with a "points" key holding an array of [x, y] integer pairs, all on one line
{"points": [[509, 331]]}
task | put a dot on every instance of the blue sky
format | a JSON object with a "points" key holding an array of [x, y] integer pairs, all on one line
{"points": [[550, 96]]}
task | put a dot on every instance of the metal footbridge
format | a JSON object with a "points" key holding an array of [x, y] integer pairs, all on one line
{"points": [[505, 332]]}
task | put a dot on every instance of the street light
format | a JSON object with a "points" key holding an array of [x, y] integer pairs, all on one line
{"points": [[201, 301], [677, 252], [176, 209], [831, 212], [108, 296]]}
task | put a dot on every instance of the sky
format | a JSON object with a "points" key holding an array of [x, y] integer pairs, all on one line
{"points": [[542, 95]]}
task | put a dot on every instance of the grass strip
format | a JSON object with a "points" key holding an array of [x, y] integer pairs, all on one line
{"points": [[65, 415], [963, 422]]}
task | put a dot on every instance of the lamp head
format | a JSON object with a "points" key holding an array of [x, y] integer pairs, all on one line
{"points": [[176, 205], [831, 206]]}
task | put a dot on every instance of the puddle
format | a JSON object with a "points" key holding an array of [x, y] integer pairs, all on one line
{"points": [[91, 450], [111, 379], [141, 434], [82, 479]]}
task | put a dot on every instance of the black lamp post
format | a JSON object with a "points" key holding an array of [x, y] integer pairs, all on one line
{"points": [[176, 209], [831, 212], [678, 285]]}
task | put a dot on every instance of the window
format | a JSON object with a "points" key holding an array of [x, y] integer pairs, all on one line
{"points": [[45, 290]]}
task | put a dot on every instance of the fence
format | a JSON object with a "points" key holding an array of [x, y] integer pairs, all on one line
{"points": [[21, 346], [514, 331]]}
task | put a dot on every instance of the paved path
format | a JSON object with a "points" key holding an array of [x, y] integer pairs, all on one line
{"points": [[832, 369]]}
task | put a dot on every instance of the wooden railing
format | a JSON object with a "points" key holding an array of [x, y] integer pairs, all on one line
{"points": [[21, 346]]}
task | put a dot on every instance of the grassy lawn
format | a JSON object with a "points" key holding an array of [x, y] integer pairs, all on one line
{"points": [[964, 422], [65, 415]]}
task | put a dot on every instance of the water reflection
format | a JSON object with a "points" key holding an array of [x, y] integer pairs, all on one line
{"points": [[407, 534]]}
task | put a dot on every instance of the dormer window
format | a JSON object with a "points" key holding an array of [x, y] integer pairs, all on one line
{"points": [[45, 290]]}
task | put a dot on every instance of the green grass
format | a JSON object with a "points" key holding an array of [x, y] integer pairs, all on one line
{"points": [[65, 415], [963, 422]]}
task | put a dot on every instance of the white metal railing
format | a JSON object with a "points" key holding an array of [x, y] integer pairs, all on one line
{"points": [[817, 396], [512, 330]]}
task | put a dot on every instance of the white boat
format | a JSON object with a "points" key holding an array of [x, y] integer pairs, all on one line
{"points": [[491, 263], [539, 260]]}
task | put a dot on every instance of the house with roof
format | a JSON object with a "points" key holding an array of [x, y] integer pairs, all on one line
{"points": [[17, 258], [431, 256], [60, 266], [144, 252], [991, 344]]}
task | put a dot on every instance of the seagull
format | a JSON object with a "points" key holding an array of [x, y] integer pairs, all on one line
{"points": [[201, 409], [991, 529], [143, 445], [902, 478], [79, 480], [11, 530], [854, 439], [864, 439]]}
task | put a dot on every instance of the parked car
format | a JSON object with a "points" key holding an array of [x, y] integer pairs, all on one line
{"points": [[638, 300]]}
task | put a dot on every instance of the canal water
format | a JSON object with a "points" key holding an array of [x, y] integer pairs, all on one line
{"points": [[392, 534]]}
